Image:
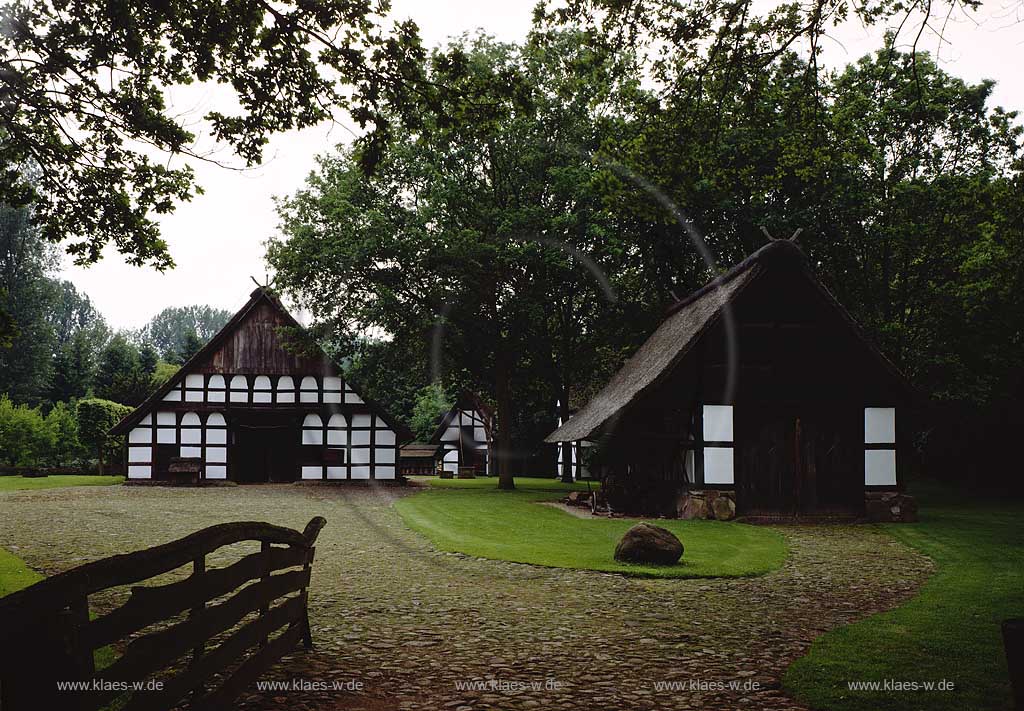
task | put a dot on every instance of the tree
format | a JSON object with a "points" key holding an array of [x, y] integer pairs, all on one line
{"points": [[162, 373], [25, 263], [148, 360], [432, 402], [119, 375], [95, 418], [190, 348], [24, 437], [84, 97], [80, 333], [463, 230], [170, 331], [62, 428]]}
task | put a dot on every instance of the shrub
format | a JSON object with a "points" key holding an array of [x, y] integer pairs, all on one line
{"points": [[24, 437], [62, 424], [431, 403], [162, 373], [95, 418]]}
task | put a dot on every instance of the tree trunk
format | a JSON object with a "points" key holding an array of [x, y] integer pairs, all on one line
{"points": [[503, 392], [566, 447], [100, 458]]}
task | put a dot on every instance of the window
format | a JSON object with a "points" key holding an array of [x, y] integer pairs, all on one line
{"points": [[239, 389], [215, 388], [313, 431], [194, 388], [166, 430], [880, 446], [332, 389], [312, 443], [717, 433], [309, 390], [285, 390], [384, 450], [261, 390], [191, 435], [216, 450]]}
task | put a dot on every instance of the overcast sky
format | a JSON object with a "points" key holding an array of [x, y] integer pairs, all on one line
{"points": [[217, 238]]}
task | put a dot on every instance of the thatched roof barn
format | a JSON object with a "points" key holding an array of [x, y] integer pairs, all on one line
{"points": [[759, 387]]}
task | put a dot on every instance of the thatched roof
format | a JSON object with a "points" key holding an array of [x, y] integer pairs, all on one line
{"points": [[686, 322]]}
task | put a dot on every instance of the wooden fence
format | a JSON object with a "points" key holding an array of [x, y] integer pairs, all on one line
{"points": [[221, 642]]}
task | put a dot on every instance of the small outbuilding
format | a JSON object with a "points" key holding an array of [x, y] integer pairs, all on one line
{"points": [[261, 403], [760, 389], [464, 435], [417, 459]]}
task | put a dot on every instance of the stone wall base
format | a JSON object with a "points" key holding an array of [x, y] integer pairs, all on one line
{"points": [[889, 507], [707, 504]]}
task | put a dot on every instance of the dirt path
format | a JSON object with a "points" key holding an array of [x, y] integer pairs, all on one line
{"points": [[418, 629]]}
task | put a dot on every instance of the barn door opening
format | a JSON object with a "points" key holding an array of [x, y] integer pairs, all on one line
{"points": [[264, 451], [797, 460]]}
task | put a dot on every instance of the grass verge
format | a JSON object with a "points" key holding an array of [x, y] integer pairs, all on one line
{"points": [[20, 483], [949, 632]]}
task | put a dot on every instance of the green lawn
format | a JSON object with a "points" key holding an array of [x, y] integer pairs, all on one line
{"points": [[950, 631], [17, 483], [473, 517], [14, 574]]}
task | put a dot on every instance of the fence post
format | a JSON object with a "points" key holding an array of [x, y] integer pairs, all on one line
{"points": [[198, 569], [264, 609]]}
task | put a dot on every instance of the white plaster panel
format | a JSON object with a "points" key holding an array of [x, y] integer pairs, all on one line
{"points": [[880, 467], [140, 435], [718, 423], [718, 465], [139, 471], [879, 425]]}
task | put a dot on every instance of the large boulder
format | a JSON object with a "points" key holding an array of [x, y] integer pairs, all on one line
{"points": [[649, 545]]}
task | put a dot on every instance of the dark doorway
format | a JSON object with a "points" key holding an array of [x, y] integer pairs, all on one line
{"points": [[264, 450], [798, 459]]}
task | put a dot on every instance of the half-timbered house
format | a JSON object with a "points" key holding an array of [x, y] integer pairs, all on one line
{"points": [[253, 407], [464, 435], [759, 388]]}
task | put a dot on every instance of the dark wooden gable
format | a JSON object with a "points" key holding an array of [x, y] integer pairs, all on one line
{"points": [[258, 345], [261, 339]]}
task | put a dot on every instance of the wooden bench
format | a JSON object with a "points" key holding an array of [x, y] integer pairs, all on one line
{"points": [[49, 635], [185, 470]]}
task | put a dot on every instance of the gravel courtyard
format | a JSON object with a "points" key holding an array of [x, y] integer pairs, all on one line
{"points": [[418, 629]]}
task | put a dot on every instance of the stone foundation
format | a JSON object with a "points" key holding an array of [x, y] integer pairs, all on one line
{"points": [[707, 504], [890, 507]]}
